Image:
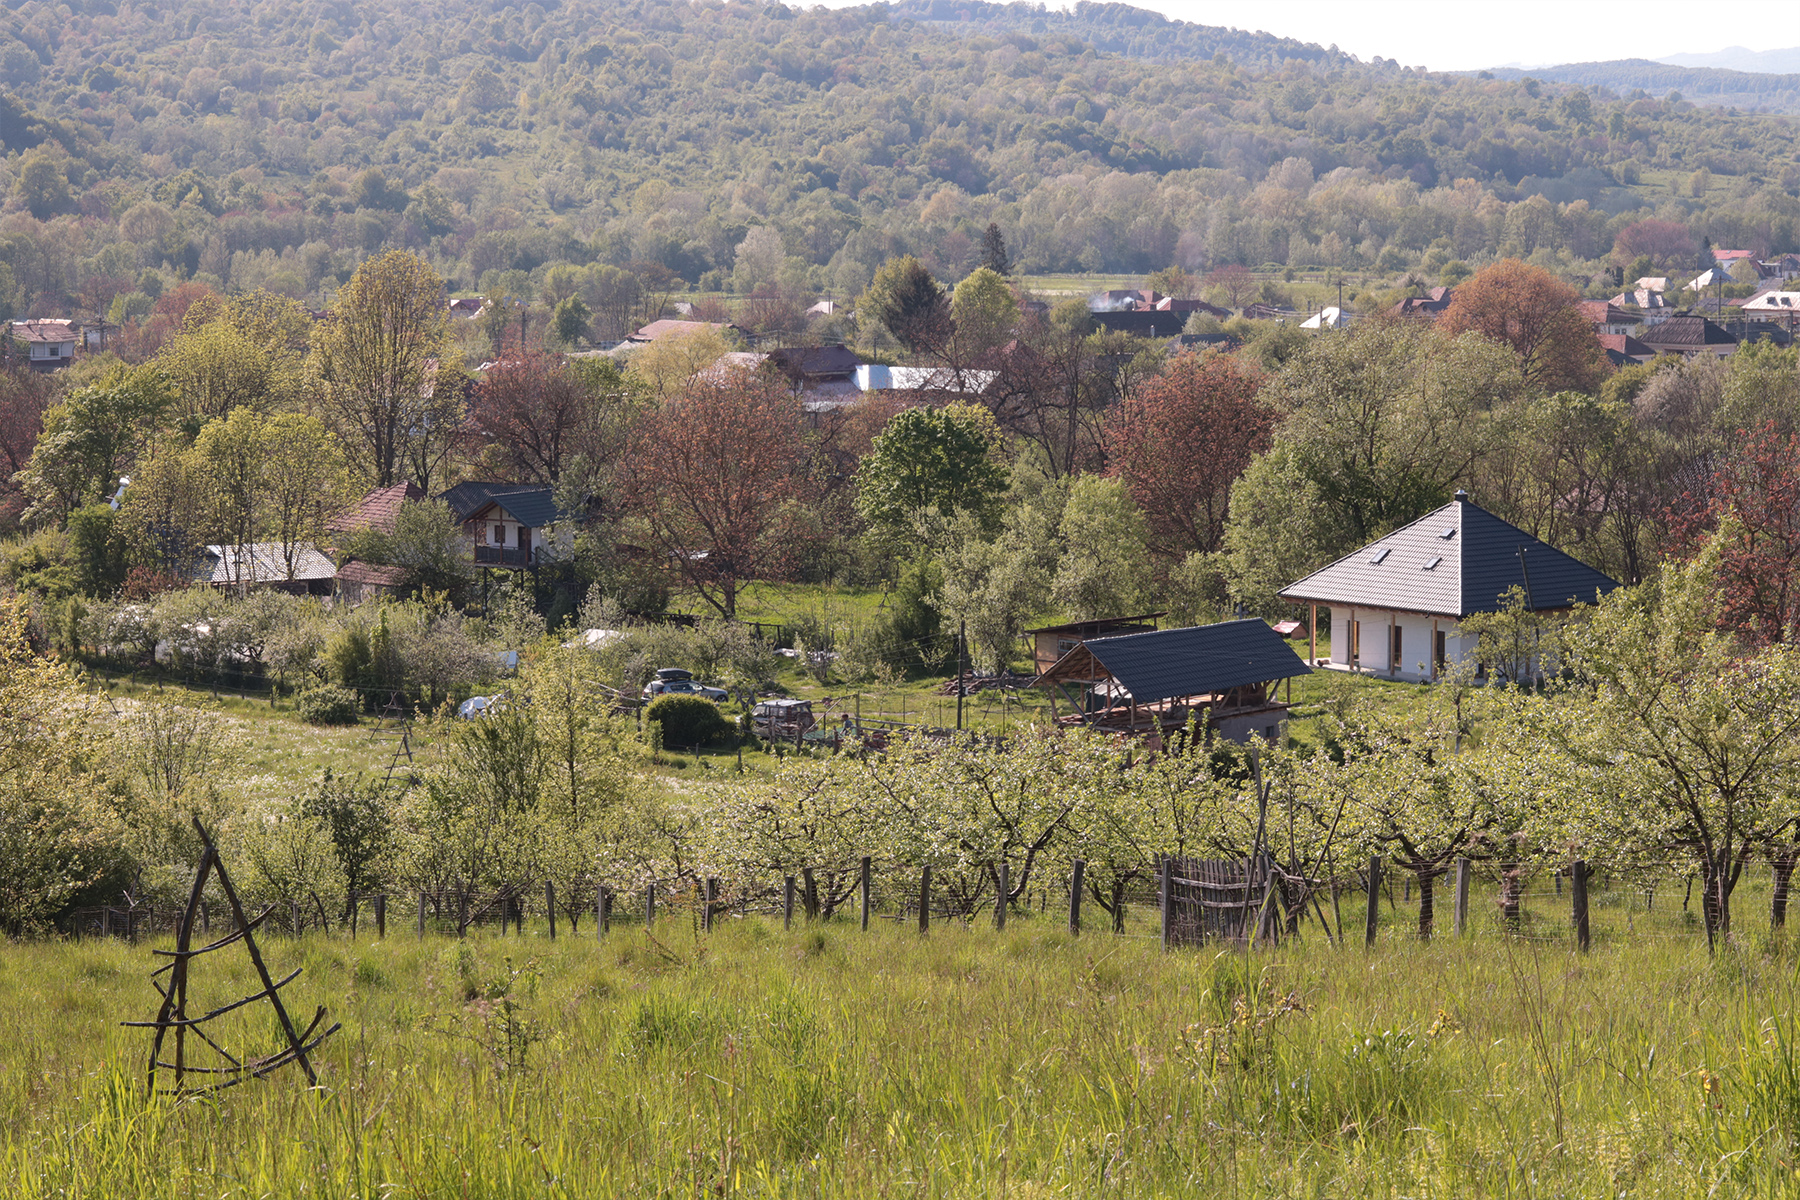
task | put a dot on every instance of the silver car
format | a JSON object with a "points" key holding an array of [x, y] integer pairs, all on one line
{"points": [[684, 687]]}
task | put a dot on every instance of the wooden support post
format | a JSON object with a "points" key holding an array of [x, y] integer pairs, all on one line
{"points": [[381, 916], [649, 905], [294, 917], [1075, 882], [602, 911], [709, 898], [1374, 899], [1462, 896], [355, 912], [1578, 880], [925, 899], [419, 921], [550, 906], [1168, 899], [864, 887], [787, 902], [1001, 898]]}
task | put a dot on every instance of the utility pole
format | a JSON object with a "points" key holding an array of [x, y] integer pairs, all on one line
{"points": [[962, 659]]}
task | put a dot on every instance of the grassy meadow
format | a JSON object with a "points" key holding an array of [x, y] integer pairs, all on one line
{"points": [[831, 1062]]}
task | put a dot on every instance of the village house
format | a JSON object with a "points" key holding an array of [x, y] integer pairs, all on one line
{"points": [[1607, 317], [1778, 307], [1050, 642], [1397, 603], [507, 525], [1430, 305], [1688, 337], [299, 570], [49, 345], [379, 511], [1622, 350]]}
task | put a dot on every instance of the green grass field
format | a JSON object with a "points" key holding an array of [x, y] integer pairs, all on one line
{"points": [[831, 1062]]}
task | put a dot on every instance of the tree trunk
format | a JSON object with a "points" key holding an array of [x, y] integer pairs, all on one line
{"points": [[1509, 895], [1425, 906], [1784, 874], [810, 894]]}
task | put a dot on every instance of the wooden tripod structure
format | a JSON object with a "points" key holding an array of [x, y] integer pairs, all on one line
{"points": [[173, 1016]]}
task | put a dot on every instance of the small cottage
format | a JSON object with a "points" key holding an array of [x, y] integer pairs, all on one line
{"points": [[507, 525], [1050, 642], [1395, 605]]}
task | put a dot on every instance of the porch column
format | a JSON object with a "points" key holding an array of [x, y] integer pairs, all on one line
{"points": [[1352, 642], [1312, 638], [1431, 653], [1393, 658]]}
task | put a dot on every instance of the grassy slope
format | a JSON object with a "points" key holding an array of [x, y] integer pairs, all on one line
{"points": [[968, 1063]]}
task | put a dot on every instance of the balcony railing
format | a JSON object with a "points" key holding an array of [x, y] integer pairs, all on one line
{"points": [[502, 556]]}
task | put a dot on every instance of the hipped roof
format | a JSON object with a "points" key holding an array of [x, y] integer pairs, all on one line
{"points": [[1199, 660], [1477, 560]]}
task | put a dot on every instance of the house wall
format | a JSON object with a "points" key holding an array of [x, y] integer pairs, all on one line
{"points": [[1414, 631]]}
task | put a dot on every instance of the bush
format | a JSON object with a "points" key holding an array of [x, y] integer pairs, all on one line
{"points": [[687, 720], [328, 705]]}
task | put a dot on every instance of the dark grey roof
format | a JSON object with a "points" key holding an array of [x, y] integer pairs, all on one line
{"points": [[1193, 661], [1143, 322], [532, 506], [1475, 565], [1681, 332]]}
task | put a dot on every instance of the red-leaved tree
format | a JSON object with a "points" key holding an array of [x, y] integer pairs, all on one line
{"points": [[531, 413], [24, 394], [1536, 314], [1756, 496], [1181, 440], [720, 475]]}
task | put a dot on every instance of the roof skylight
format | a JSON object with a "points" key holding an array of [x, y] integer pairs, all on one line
{"points": [[1448, 533], [1380, 554], [1432, 562]]}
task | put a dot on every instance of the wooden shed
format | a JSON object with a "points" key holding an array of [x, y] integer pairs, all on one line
{"points": [[1152, 682], [1053, 641]]}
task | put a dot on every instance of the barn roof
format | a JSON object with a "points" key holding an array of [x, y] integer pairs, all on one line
{"points": [[1455, 561], [1199, 660]]}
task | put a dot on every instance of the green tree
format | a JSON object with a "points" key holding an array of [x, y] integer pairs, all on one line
{"points": [[426, 544], [993, 251], [1105, 565], [91, 438], [386, 364], [42, 186], [571, 321], [909, 304], [930, 464], [985, 311]]}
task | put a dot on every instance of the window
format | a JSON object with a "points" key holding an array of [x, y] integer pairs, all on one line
{"points": [[1437, 652], [1448, 533], [1355, 642], [1432, 562], [1380, 555], [1394, 641]]}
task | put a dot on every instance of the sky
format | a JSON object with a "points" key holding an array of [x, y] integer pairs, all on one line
{"points": [[1469, 35]]}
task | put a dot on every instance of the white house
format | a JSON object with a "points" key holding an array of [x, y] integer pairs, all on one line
{"points": [[49, 344], [1397, 603], [1777, 306]]}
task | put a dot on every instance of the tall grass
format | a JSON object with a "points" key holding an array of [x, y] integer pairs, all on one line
{"points": [[829, 1062]]}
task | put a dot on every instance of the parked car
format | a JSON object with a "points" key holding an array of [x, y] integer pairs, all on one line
{"points": [[476, 706], [684, 687], [782, 718]]}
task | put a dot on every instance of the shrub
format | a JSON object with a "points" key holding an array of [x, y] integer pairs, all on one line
{"points": [[687, 720], [328, 705]]}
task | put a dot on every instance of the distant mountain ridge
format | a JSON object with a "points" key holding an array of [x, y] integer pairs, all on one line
{"points": [[1740, 58], [1701, 85]]}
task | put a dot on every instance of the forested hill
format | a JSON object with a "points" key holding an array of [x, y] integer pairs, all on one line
{"points": [[1122, 29], [274, 144], [1705, 85]]}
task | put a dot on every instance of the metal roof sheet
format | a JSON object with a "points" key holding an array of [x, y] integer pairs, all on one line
{"points": [[1474, 568], [1194, 661]]}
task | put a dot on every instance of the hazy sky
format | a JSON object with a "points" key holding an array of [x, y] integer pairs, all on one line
{"points": [[1467, 35]]}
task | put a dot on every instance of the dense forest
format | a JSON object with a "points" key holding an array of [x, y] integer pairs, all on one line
{"points": [[736, 146]]}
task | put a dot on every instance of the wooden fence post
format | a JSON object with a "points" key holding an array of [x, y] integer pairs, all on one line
{"points": [[294, 917], [355, 912], [550, 906], [1578, 881], [649, 905], [712, 901], [1462, 896], [1374, 899], [1000, 900], [865, 892], [381, 916], [925, 898], [420, 919], [1075, 881], [1168, 898], [787, 902], [602, 911]]}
